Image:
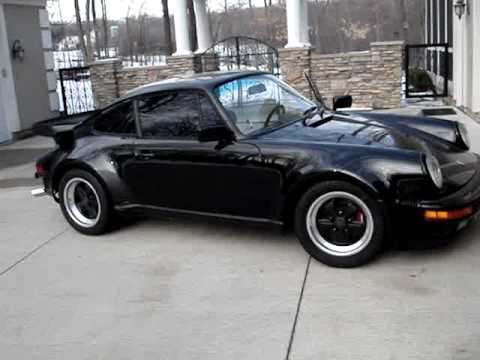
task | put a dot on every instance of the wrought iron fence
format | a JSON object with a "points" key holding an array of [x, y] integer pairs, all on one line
{"points": [[76, 94], [240, 53], [427, 70]]}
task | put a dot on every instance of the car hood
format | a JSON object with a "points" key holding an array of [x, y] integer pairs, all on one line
{"points": [[356, 129], [423, 135]]}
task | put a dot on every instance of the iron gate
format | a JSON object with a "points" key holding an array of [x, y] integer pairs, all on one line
{"points": [[76, 90], [427, 70], [240, 53]]}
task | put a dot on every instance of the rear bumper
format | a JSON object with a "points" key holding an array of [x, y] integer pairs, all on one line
{"points": [[38, 192]]}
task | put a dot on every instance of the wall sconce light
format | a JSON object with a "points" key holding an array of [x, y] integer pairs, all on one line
{"points": [[18, 51], [460, 7]]}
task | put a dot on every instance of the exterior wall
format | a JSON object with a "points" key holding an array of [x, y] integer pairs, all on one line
{"points": [[372, 77], [110, 81], [466, 50], [30, 78], [439, 18]]}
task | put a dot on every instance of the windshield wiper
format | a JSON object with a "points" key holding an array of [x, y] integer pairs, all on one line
{"points": [[310, 112]]}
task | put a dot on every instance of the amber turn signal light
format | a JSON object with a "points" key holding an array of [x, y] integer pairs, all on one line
{"points": [[448, 214]]}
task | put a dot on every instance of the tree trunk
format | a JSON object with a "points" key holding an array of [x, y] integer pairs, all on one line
{"points": [[105, 27], [95, 28], [404, 20], [192, 23], [81, 32], [89, 30], [166, 27]]}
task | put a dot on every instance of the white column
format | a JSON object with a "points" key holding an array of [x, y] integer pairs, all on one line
{"points": [[182, 34], [475, 14], [297, 24], [458, 59], [204, 35]]}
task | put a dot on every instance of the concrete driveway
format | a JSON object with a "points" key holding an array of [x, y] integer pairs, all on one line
{"points": [[185, 289]]}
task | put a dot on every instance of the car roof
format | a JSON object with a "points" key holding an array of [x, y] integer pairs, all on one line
{"points": [[206, 81]]}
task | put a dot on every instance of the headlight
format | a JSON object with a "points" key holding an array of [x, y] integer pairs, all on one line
{"points": [[463, 135], [433, 169]]}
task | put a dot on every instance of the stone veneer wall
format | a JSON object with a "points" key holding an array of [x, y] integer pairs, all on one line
{"points": [[294, 62], [372, 77], [111, 81]]}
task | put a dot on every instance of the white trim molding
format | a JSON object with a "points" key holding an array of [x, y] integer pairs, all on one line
{"points": [[9, 97]]}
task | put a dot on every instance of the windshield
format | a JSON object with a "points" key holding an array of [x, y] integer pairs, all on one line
{"points": [[261, 101]]}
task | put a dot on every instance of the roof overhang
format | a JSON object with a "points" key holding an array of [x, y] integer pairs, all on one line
{"points": [[41, 3]]}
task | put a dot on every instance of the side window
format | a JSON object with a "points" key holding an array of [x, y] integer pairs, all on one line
{"points": [[118, 120], [176, 115], [210, 115]]}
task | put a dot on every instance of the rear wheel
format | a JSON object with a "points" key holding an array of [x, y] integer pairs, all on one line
{"points": [[339, 224], [84, 202]]}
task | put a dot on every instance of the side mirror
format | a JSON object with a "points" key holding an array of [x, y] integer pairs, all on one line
{"points": [[343, 101], [215, 133]]}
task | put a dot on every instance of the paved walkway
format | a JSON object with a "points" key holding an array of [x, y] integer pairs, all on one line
{"points": [[180, 289]]}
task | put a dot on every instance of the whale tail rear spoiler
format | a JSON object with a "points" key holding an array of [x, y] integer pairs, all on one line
{"points": [[61, 129]]}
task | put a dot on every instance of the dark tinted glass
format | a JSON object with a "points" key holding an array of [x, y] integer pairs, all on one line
{"points": [[210, 115], [171, 115], [118, 120]]}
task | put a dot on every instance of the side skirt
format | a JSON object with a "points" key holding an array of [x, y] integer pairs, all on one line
{"points": [[180, 212]]}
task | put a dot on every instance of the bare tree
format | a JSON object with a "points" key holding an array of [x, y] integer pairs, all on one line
{"points": [[128, 29], [81, 32], [403, 18], [95, 28], [167, 27], [192, 23], [105, 26], [89, 30]]}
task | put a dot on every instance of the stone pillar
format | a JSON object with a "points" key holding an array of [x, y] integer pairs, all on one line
{"points": [[387, 73], [103, 75], [297, 24], [209, 62], [182, 34], [294, 62], [203, 26], [181, 65]]}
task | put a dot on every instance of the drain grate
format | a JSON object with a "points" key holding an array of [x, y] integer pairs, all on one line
{"points": [[438, 112]]}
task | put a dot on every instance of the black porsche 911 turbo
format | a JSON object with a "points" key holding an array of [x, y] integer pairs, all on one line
{"points": [[246, 146]]}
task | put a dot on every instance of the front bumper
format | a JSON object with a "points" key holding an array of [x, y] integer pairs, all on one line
{"points": [[467, 197]]}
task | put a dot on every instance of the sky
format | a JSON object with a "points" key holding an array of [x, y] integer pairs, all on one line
{"points": [[117, 9]]}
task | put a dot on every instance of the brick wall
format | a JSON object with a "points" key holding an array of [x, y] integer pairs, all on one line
{"points": [[372, 77]]}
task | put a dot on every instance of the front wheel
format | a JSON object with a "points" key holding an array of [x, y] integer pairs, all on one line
{"points": [[339, 224], [84, 202]]}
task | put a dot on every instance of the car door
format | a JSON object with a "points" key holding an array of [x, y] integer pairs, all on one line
{"points": [[173, 169]]}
